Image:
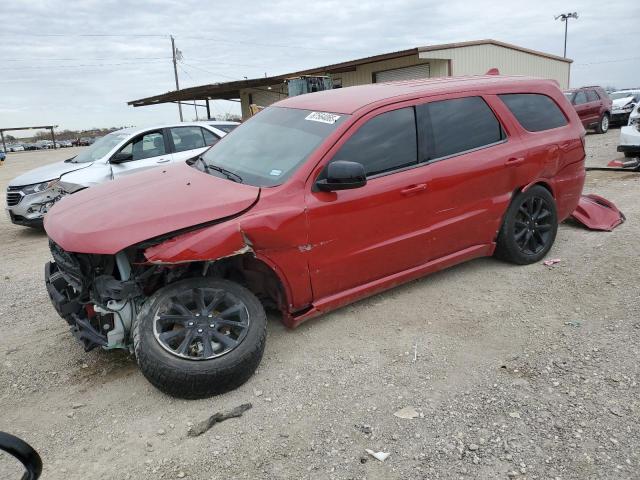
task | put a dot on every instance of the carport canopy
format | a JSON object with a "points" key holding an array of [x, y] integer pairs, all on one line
{"points": [[43, 127]]}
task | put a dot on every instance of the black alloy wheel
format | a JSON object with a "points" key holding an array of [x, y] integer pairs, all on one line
{"points": [[533, 225], [529, 227], [199, 337], [201, 324]]}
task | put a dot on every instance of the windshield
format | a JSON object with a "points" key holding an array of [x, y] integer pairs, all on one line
{"points": [[618, 95], [225, 128], [266, 150], [99, 148]]}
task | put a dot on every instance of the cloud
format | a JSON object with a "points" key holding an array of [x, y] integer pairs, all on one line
{"points": [[84, 81]]}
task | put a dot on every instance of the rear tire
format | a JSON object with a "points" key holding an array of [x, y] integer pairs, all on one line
{"points": [[200, 351], [603, 124], [529, 227]]}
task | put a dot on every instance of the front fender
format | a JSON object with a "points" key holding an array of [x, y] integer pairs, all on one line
{"points": [[278, 237]]}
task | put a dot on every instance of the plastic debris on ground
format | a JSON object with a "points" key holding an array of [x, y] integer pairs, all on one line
{"points": [[407, 413], [551, 262], [381, 456]]}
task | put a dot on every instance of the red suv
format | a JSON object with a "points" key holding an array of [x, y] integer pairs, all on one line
{"points": [[314, 203], [593, 106]]}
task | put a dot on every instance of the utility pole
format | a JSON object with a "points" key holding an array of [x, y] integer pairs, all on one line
{"points": [[175, 71], [564, 17]]}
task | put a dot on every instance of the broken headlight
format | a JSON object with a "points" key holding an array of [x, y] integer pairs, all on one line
{"points": [[40, 187]]}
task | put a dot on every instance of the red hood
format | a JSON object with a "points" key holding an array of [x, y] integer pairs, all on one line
{"points": [[112, 216]]}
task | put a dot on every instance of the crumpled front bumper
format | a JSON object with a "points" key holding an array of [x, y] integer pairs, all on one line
{"points": [[70, 309], [30, 209]]}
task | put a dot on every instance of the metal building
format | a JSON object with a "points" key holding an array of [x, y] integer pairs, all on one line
{"points": [[453, 59]]}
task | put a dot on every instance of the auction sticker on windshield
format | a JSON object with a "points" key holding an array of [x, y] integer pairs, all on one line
{"points": [[322, 117]]}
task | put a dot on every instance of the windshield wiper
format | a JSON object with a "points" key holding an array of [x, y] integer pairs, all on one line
{"points": [[227, 173]]}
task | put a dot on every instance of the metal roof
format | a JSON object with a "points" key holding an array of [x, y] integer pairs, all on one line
{"points": [[231, 90]]}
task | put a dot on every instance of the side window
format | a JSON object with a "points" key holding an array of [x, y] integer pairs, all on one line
{"points": [[580, 98], [386, 142], [592, 96], [209, 137], [187, 138], [149, 145], [535, 112], [458, 125]]}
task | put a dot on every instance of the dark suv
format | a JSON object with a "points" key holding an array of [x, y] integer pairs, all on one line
{"points": [[593, 106]]}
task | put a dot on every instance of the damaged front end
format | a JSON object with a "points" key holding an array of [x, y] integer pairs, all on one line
{"points": [[98, 295]]}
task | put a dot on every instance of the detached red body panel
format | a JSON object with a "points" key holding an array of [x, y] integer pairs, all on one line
{"points": [[598, 213], [330, 248]]}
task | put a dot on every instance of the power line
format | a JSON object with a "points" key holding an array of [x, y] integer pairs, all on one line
{"points": [[53, 67], [609, 61], [126, 35], [209, 71], [81, 58]]}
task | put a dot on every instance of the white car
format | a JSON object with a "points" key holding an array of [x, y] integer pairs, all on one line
{"points": [[623, 103], [630, 135], [15, 148], [119, 153]]}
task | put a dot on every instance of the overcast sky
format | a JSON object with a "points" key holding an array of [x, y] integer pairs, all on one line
{"points": [[62, 63]]}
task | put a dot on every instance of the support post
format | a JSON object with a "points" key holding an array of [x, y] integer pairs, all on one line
{"points": [[4, 145], [208, 110], [53, 137], [175, 72], [566, 25]]}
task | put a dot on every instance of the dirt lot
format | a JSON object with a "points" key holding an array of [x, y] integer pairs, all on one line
{"points": [[515, 372]]}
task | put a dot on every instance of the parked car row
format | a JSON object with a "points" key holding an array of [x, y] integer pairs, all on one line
{"points": [[317, 201], [41, 145]]}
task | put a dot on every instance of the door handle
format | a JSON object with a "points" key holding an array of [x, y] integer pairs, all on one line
{"points": [[413, 189], [163, 160], [515, 161]]}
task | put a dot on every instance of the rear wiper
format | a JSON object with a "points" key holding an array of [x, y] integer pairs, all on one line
{"points": [[227, 173]]}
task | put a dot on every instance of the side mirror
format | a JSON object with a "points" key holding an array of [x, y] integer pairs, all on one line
{"points": [[343, 175], [121, 157], [24, 453]]}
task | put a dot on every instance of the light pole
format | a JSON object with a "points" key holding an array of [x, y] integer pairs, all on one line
{"points": [[564, 17]]}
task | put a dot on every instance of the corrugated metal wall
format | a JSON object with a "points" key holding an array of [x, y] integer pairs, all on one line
{"points": [[361, 76], [477, 59]]}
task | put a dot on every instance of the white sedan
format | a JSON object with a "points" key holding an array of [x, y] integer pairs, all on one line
{"points": [[119, 153]]}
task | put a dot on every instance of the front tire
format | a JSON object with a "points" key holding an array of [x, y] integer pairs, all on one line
{"points": [[200, 337], [603, 124], [529, 227]]}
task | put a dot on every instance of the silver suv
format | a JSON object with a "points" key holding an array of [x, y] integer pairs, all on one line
{"points": [[119, 153]]}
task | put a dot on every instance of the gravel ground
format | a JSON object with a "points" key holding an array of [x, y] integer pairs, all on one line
{"points": [[513, 372]]}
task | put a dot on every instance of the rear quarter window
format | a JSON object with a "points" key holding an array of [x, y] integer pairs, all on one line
{"points": [[534, 111]]}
